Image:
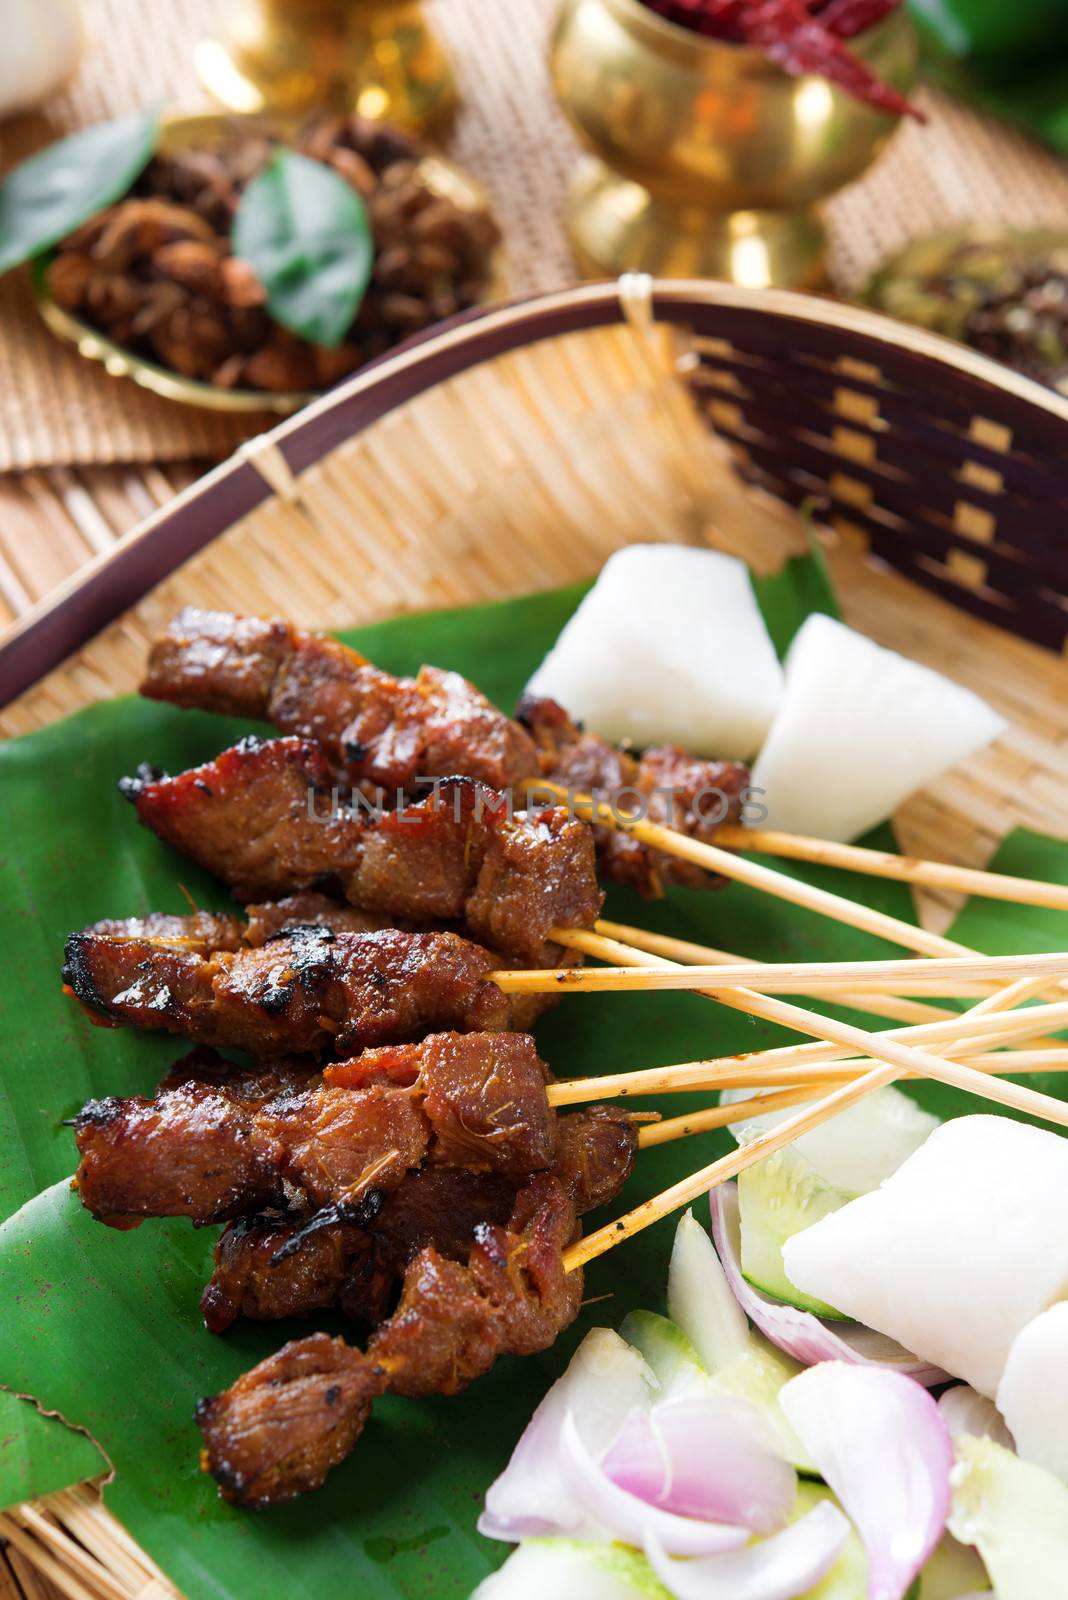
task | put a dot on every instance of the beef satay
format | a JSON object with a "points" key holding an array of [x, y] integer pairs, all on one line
{"points": [[281, 1428], [672, 787], [355, 1266], [382, 733], [379, 732], [198, 1150], [307, 991], [257, 1274], [262, 817], [206, 931]]}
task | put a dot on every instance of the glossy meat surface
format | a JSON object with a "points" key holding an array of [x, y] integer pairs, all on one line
{"points": [[218, 1146], [458, 856], [308, 991], [280, 1429], [378, 731], [359, 1268], [704, 794]]}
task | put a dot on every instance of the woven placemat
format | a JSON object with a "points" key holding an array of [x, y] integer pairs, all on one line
{"points": [[56, 409]]}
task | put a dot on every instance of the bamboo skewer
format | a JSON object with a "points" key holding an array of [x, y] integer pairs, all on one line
{"points": [[696, 1077], [883, 1047], [990, 1029], [727, 1167], [707, 1121], [902, 869], [942, 975], [695, 955], [728, 865], [888, 1050]]}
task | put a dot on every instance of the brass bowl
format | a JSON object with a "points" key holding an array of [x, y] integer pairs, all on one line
{"points": [[188, 131], [708, 158], [376, 57]]}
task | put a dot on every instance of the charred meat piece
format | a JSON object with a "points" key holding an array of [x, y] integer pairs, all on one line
{"points": [[261, 816], [345, 1264], [677, 790], [360, 1268], [200, 1151], [281, 1428], [379, 732], [188, 1152], [310, 990], [250, 816], [382, 733]]}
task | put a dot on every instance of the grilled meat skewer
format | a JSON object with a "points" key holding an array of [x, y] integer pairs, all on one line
{"points": [[207, 931], [378, 731], [309, 990], [279, 1430], [214, 1147], [356, 1266], [382, 734], [263, 818], [676, 789]]}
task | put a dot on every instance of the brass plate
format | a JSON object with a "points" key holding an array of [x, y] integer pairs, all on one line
{"points": [[187, 131]]}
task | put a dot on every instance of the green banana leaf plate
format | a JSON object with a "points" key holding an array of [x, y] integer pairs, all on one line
{"points": [[101, 1329]]}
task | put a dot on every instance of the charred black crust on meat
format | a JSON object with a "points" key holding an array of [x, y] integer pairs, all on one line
{"points": [[77, 973]]}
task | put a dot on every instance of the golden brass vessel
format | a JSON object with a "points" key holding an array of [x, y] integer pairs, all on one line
{"points": [[708, 160], [377, 57]]}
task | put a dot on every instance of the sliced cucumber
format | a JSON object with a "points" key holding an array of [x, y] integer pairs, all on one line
{"points": [[848, 1578], [699, 1297], [708, 1343], [1016, 1515], [669, 1354], [819, 1173], [952, 1571], [567, 1567]]}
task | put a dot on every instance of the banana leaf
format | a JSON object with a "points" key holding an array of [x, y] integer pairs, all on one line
{"points": [[103, 1328]]}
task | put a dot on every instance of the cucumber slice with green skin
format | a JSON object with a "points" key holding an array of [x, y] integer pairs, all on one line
{"points": [[819, 1173], [707, 1341], [565, 1567], [1016, 1515]]}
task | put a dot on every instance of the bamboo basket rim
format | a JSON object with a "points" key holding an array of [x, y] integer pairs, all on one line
{"points": [[108, 586]]}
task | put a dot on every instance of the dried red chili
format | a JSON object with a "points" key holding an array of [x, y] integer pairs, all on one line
{"points": [[844, 18], [802, 38]]}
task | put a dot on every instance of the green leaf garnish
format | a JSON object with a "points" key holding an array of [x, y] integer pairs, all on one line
{"points": [[55, 191], [306, 234]]}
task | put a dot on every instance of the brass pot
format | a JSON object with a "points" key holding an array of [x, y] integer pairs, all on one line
{"points": [[377, 57], [708, 159]]}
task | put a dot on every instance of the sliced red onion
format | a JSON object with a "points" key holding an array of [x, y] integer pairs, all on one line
{"points": [[881, 1444], [605, 1381], [788, 1564], [801, 1334], [964, 1410], [704, 1457], [625, 1517]]}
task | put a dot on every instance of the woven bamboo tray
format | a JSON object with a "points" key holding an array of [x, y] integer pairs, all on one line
{"points": [[513, 452]]}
